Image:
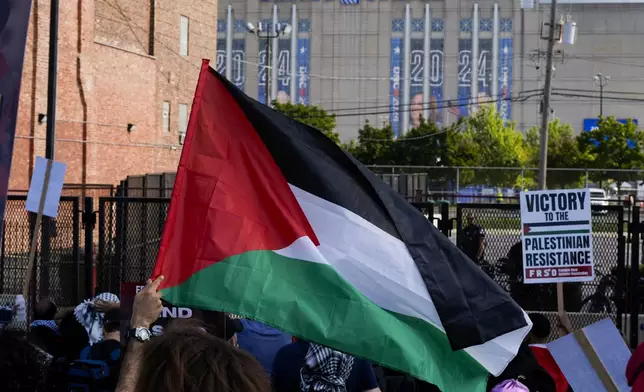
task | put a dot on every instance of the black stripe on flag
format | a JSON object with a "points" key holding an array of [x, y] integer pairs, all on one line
{"points": [[473, 309]]}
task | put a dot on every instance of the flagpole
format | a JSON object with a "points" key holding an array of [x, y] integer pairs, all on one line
{"points": [[427, 68], [495, 55], [229, 44], [406, 71], [274, 58], [294, 54], [474, 78]]}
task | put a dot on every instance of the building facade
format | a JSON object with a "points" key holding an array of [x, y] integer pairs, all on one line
{"points": [[126, 77], [388, 61]]}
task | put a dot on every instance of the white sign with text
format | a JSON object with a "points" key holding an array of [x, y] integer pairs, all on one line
{"points": [[556, 236]]}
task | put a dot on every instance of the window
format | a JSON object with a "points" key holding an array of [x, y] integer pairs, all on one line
{"points": [[183, 35], [183, 118], [165, 116]]}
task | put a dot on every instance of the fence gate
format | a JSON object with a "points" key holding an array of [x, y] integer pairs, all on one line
{"points": [[129, 234], [586, 302]]}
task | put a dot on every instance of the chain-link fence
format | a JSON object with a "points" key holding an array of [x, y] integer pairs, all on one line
{"points": [[57, 259], [605, 295], [130, 232], [501, 184]]}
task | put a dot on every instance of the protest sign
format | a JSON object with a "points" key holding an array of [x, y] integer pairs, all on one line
{"points": [[14, 21], [594, 358], [215, 320], [49, 190], [557, 236]]}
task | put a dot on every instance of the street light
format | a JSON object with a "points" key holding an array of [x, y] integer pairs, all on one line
{"points": [[602, 81], [262, 33]]}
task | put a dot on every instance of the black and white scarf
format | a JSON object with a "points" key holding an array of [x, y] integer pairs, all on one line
{"points": [[325, 370]]}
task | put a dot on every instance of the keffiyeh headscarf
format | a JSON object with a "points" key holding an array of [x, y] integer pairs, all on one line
{"points": [[92, 320], [50, 324], [325, 370]]}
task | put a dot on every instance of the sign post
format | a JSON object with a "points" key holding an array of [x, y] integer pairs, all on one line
{"points": [[557, 238], [43, 199]]}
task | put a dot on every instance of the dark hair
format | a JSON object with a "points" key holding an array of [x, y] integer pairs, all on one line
{"points": [[45, 309], [189, 359], [23, 367], [112, 321], [540, 325]]}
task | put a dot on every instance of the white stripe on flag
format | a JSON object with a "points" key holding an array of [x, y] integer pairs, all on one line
{"points": [[380, 267]]}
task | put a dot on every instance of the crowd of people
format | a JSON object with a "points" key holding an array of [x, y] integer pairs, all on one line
{"points": [[83, 349]]}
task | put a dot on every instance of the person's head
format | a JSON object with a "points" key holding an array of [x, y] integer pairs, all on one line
{"points": [[73, 335], [470, 218], [20, 363], [189, 359], [540, 329], [222, 326], [416, 109], [45, 309], [112, 325]]}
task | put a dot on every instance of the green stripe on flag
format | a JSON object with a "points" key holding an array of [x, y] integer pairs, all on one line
{"points": [[536, 233], [313, 301]]}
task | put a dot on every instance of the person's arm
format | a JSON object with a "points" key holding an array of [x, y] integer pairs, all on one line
{"points": [[146, 309], [106, 306], [368, 381], [64, 312], [482, 243]]}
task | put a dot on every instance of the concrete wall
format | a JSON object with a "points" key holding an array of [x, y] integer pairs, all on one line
{"points": [[351, 54]]}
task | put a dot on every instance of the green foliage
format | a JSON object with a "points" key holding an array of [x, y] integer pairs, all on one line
{"points": [[488, 141], [314, 116], [421, 146], [607, 147], [563, 152], [374, 145]]}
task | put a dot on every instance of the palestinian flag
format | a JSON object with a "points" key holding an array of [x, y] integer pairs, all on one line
{"points": [[272, 221]]}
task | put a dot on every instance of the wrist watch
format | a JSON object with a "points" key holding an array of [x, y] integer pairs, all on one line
{"points": [[141, 334]]}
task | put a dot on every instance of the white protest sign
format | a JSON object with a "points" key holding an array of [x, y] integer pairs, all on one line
{"points": [[54, 187], [557, 236], [593, 359]]}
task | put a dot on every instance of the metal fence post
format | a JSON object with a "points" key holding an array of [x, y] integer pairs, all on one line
{"points": [[89, 222], [621, 261], [634, 277], [445, 223]]}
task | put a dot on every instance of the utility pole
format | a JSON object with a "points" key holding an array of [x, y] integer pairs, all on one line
{"points": [[50, 142], [262, 33], [547, 90], [602, 81]]}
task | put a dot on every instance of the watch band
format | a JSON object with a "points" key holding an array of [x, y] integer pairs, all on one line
{"points": [[132, 334]]}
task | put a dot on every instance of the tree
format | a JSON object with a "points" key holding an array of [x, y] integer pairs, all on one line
{"points": [[421, 146], [314, 116], [374, 146], [563, 152], [486, 140], [613, 145]]}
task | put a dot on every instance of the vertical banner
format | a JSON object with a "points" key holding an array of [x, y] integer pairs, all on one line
{"points": [[303, 66], [221, 55], [464, 75], [239, 60], [283, 71], [485, 70], [505, 78], [416, 98], [14, 22], [394, 93]]}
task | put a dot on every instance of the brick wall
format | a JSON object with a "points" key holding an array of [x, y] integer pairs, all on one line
{"points": [[118, 61]]}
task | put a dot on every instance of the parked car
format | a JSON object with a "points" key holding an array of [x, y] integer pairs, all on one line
{"points": [[598, 197]]}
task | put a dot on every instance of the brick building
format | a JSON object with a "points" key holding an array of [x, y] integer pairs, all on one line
{"points": [[121, 63]]}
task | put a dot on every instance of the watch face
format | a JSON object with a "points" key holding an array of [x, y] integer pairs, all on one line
{"points": [[142, 334]]}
